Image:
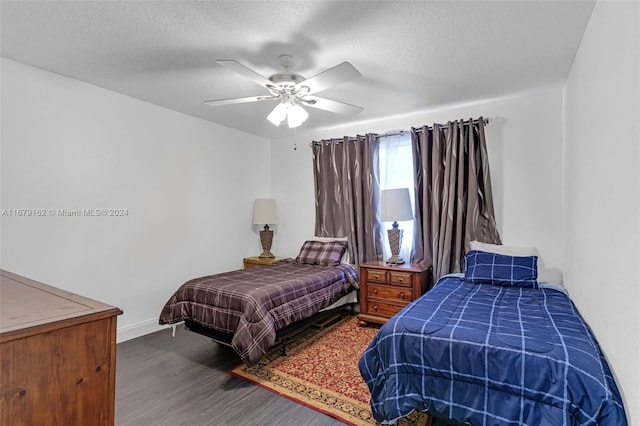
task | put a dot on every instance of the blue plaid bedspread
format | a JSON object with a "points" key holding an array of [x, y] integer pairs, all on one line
{"points": [[483, 354]]}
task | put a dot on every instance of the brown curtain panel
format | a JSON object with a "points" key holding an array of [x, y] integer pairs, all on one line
{"points": [[347, 186], [454, 203]]}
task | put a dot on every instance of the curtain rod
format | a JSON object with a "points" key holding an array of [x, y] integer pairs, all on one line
{"points": [[487, 121]]}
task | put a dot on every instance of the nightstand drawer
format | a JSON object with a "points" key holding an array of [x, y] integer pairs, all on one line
{"points": [[392, 293], [400, 278], [376, 275], [384, 309]]}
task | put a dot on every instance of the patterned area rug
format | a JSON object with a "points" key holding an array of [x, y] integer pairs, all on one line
{"points": [[321, 372]]}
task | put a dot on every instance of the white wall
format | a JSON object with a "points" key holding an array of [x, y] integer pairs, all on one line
{"points": [[188, 186], [602, 186], [525, 150]]}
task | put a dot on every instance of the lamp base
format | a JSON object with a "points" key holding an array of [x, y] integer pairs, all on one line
{"points": [[395, 239], [266, 238], [395, 260]]}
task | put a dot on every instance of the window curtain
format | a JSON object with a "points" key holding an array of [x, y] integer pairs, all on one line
{"points": [[453, 199], [396, 171], [346, 179]]}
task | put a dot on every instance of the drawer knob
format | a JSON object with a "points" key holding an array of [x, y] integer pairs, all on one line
{"points": [[375, 308], [402, 296], [399, 279], [375, 291], [376, 277]]}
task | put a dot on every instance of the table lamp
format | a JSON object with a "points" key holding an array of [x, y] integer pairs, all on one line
{"points": [[264, 213], [395, 206]]}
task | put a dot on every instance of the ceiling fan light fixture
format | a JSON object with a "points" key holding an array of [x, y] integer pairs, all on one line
{"points": [[279, 113], [297, 115], [293, 90]]}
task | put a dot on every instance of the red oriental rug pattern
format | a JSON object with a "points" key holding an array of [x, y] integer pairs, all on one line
{"points": [[321, 372]]}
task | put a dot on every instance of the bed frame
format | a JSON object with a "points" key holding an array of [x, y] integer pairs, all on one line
{"points": [[321, 319]]}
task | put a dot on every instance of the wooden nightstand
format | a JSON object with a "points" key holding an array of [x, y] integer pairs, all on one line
{"points": [[386, 289], [252, 262]]}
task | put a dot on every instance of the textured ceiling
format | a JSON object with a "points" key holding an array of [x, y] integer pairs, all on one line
{"points": [[413, 55]]}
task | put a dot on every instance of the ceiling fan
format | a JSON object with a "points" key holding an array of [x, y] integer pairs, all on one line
{"points": [[293, 90]]}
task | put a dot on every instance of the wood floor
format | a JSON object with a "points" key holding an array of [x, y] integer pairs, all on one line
{"points": [[183, 380]]}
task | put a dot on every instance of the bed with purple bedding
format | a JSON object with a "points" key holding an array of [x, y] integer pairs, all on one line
{"points": [[492, 347], [252, 304]]}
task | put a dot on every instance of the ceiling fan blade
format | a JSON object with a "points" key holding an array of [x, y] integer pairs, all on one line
{"points": [[329, 105], [229, 101], [329, 78], [247, 72]]}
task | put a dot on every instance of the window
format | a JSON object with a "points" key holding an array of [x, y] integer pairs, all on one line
{"points": [[396, 171]]}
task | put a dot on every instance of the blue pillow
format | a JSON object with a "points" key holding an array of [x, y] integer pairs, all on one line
{"points": [[499, 269]]}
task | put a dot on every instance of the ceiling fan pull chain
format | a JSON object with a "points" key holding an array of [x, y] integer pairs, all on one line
{"points": [[295, 138]]}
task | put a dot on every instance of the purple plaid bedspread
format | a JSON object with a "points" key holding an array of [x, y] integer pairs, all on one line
{"points": [[254, 303], [485, 354]]}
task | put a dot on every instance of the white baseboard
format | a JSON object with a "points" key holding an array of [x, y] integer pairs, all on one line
{"points": [[132, 331]]}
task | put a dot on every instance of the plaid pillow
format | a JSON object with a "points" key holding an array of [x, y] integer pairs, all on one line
{"points": [[322, 253], [499, 269]]}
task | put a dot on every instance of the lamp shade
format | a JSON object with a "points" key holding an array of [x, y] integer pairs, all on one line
{"points": [[278, 114], [396, 205], [264, 211], [297, 115]]}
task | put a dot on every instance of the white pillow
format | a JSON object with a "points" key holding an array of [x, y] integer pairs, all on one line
{"points": [[544, 274], [502, 249], [346, 258]]}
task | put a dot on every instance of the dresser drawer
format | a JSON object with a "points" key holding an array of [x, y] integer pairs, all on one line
{"points": [[376, 275], [384, 309], [388, 292], [400, 278]]}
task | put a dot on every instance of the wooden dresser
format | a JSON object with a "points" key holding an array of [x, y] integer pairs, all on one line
{"points": [[57, 356], [386, 289]]}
